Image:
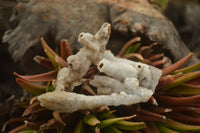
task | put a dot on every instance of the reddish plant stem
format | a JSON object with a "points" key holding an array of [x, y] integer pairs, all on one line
{"points": [[153, 101], [159, 110], [166, 80], [57, 117], [177, 65], [134, 40], [183, 109], [149, 116], [14, 121], [178, 101], [90, 72], [44, 77], [17, 129], [65, 49], [155, 57], [152, 127], [184, 118], [33, 125]]}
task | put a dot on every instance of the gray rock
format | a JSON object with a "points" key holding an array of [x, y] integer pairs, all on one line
{"points": [[58, 19], [185, 16]]}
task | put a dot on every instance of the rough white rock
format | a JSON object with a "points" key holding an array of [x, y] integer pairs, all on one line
{"points": [[125, 82], [117, 70], [63, 101], [92, 52]]}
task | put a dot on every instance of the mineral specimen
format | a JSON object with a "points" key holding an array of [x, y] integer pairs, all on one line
{"points": [[125, 82]]}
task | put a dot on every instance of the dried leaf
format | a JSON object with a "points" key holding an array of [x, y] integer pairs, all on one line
{"points": [[88, 89]]}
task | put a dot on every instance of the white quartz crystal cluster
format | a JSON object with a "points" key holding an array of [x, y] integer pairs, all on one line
{"points": [[125, 82]]}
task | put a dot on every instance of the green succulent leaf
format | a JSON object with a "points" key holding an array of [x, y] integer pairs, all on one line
{"points": [[110, 121], [188, 69], [165, 129], [111, 129], [60, 129], [132, 48], [126, 125], [56, 60], [50, 53], [80, 127], [162, 3], [129, 43], [105, 115], [50, 87], [28, 131], [180, 126], [91, 119], [185, 78]]}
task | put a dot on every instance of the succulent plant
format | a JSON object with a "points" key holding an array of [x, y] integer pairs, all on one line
{"points": [[174, 107]]}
